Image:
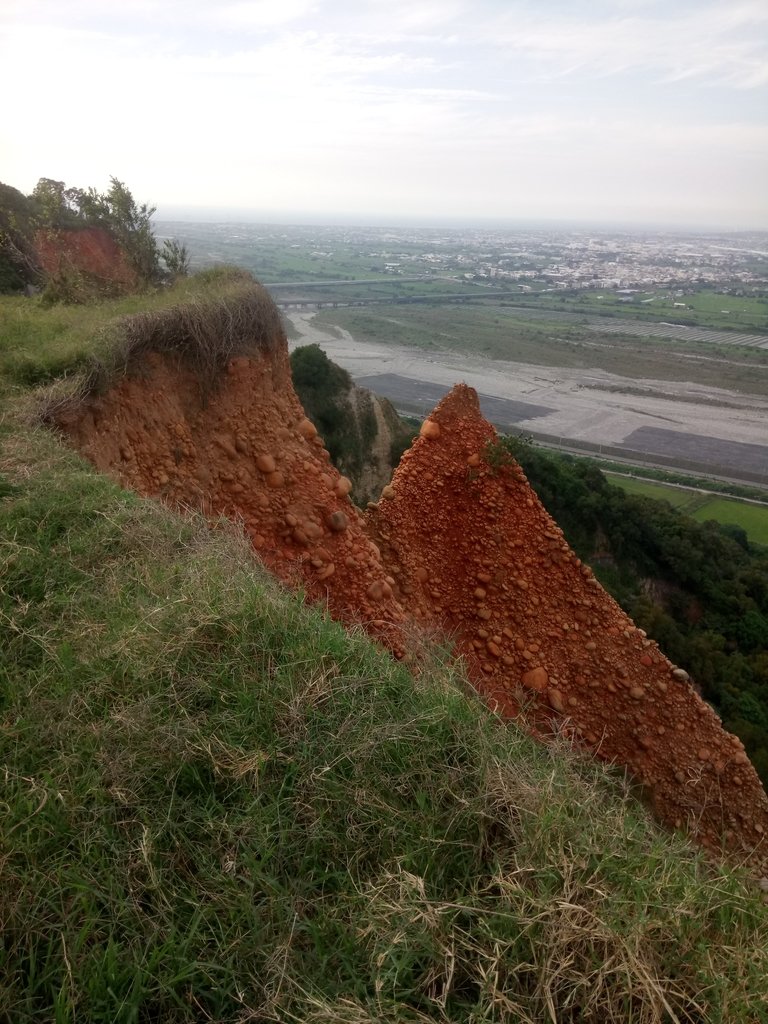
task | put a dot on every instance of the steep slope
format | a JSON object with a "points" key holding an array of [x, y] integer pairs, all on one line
{"points": [[233, 440], [472, 549], [90, 254], [201, 412]]}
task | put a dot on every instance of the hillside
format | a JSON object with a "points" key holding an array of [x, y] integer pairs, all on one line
{"points": [[220, 805]]}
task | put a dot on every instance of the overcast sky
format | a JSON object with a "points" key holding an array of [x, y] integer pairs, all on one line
{"points": [[586, 110]]}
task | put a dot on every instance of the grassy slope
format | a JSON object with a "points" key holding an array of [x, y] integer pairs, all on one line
{"points": [[753, 519], [39, 344], [218, 805]]}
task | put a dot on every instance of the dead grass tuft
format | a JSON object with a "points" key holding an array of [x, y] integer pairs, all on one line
{"points": [[202, 333]]}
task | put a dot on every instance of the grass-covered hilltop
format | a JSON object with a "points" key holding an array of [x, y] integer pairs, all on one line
{"points": [[219, 805]]}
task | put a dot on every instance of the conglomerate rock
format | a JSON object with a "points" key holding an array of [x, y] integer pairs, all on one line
{"points": [[471, 548], [245, 451], [457, 540]]}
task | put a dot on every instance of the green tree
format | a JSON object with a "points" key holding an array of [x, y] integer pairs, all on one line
{"points": [[128, 222], [176, 257], [54, 204]]}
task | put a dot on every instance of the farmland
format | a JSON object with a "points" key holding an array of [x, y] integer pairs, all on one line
{"points": [[752, 517]]}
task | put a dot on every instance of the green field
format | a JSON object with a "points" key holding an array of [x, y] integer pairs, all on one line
{"points": [[752, 518], [676, 496], [714, 310]]}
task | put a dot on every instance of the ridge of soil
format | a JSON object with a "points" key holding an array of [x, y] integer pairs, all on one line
{"points": [[458, 540]]}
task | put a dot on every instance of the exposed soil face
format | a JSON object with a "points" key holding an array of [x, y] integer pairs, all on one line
{"points": [[377, 470], [245, 451], [456, 541], [471, 548], [90, 251]]}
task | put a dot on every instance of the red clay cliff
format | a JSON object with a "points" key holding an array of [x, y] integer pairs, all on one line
{"points": [[456, 540], [471, 547]]}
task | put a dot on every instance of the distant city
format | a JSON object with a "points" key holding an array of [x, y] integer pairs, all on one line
{"points": [[528, 260]]}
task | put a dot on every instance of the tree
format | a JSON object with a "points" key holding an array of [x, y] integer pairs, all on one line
{"points": [[176, 257], [130, 224], [55, 205]]}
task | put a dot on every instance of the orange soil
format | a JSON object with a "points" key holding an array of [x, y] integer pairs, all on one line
{"points": [[92, 251], [248, 453], [472, 548], [452, 542]]}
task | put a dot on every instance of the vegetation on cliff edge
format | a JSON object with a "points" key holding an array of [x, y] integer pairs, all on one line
{"points": [[220, 806]]}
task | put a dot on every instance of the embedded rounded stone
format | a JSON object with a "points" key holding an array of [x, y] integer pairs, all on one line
{"points": [[275, 479], [536, 679], [338, 522], [266, 463], [555, 699], [388, 492], [343, 486], [430, 429], [307, 429], [637, 692]]}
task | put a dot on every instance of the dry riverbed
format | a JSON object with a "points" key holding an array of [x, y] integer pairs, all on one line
{"points": [[690, 420]]}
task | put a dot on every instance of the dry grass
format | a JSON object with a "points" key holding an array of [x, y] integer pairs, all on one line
{"points": [[202, 320], [202, 334]]}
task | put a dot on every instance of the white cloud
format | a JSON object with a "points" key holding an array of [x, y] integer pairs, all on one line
{"points": [[717, 42], [396, 106]]}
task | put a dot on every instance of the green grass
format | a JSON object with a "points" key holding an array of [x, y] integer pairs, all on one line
{"points": [[40, 343], [752, 518], [713, 310], [218, 805], [676, 497], [669, 476]]}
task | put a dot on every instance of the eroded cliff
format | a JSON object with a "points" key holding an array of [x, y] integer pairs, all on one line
{"points": [[458, 539]]}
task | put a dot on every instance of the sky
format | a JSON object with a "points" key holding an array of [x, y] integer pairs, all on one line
{"points": [[646, 112]]}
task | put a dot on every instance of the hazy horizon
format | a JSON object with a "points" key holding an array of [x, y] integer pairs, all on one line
{"points": [[306, 218], [609, 112]]}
